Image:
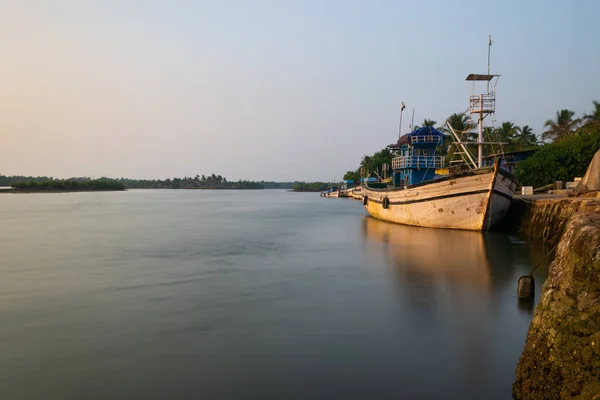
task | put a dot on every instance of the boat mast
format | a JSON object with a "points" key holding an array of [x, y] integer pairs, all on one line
{"points": [[400, 125], [483, 104], [480, 136], [489, 49]]}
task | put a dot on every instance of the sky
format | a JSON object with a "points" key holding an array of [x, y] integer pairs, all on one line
{"points": [[269, 89]]}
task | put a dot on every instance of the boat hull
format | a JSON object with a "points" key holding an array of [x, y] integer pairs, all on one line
{"points": [[476, 200], [346, 193], [335, 194]]}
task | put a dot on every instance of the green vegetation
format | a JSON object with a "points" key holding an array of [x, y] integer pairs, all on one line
{"points": [[372, 165], [311, 187], [207, 182], [202, 182], [70, 185], [560, 161], [83, 183], [562, 127]]}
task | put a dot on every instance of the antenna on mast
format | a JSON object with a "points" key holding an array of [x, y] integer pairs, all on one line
{"points": [[489, 50], [400, 125]]}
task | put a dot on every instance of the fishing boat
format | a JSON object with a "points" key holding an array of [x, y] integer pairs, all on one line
{"points": [[332, 192], [357, 193], [346, 189], [425, 193]]}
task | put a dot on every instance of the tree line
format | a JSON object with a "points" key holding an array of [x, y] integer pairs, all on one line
{"points": [[70, 185], [198, 182], [574, 141], [311, 186]]}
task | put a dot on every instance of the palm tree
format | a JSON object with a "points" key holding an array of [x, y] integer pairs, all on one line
{"points": [[563, 126], [525, 138], [428, 123], [462, 126], [593, 119], [507, 134], [459, 122], [367, 160]]}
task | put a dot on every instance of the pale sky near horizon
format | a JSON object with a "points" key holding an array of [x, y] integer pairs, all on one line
{"points": [[269, 89]]}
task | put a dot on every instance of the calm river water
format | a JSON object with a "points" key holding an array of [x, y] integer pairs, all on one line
{"points": [[251, 295]]}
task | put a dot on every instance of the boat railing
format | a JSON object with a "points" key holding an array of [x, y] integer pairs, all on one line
{"points": [[418, 162], [426, 139]]}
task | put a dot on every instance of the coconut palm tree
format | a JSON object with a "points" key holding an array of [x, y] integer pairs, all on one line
{"points": [[525, 138], [462, 125], [459, 122], [507, 134], [593, 119], [429, 123], [563, 126]]}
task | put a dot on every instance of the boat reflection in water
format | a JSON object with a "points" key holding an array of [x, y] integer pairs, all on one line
{"points": [[485, 262], [438, 256], [456, 293]]}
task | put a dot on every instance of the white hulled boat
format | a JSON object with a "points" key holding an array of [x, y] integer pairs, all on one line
{"points": [[426, 194]]}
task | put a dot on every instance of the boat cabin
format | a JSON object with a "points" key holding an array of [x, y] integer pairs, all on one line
{"points": [[509, 160], [347, 184], [417, 156]]}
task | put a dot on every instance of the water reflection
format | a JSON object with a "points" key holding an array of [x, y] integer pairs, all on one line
{"points": [[455, 284], [435, 265], [424, 256]]}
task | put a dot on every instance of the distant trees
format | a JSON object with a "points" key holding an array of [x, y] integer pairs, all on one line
{"points": [[311, 187], [10, 180], [70, 185], [82, 183]]}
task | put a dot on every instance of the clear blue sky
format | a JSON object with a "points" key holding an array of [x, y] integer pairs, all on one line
{"points": [[269, 89]]}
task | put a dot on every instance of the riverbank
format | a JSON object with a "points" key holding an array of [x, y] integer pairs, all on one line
{"points": [[562, 351], [544, 217], [561, 358], [31, 191]]}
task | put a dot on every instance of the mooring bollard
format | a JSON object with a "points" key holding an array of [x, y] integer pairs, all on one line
{"points": [[526, 287]]}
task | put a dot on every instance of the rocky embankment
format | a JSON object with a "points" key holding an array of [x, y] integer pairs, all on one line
{"points": [[547, 218], [561, 359]]}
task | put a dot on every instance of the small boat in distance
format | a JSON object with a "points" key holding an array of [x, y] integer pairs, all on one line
{"points": [[346, 189], [424, 193], [332, 191]]}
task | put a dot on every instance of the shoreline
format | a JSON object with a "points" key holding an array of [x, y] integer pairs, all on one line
{"points": [[29, 191]]}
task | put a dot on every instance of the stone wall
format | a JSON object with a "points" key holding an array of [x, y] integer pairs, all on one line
{"points": [[546, 218], [561, 359]]}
